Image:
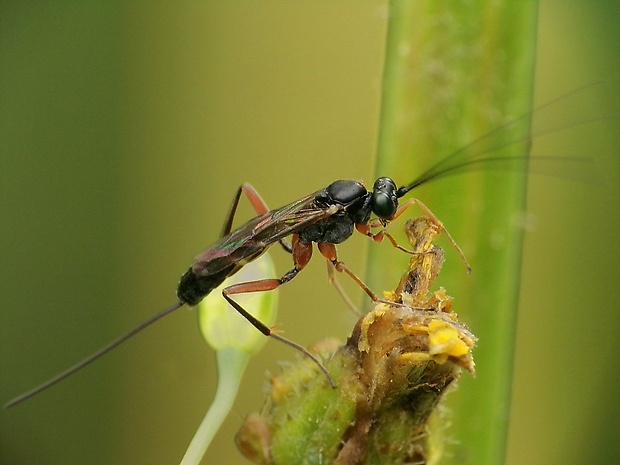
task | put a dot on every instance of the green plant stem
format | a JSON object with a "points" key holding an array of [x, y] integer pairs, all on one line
{"points": [[231, 364], [453, 72]]}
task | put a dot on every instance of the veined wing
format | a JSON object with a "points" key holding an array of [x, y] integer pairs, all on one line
{"points": [[289, 219], [251, 239]]}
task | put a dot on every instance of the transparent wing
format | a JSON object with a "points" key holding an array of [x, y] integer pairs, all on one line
{"points": [[251, 239]]}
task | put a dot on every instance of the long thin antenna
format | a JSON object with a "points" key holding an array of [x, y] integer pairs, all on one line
{"points": [[472, 153], [87, 361]]}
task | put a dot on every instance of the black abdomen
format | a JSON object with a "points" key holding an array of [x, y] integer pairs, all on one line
{"points": [[193, 288]]}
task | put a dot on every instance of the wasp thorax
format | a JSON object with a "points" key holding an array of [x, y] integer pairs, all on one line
{"points": [[345, 192]]}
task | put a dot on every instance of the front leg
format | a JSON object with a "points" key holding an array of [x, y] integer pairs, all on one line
{"points": [[366, 228]]}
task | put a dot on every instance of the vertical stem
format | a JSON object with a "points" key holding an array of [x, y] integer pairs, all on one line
{"points": [[453, 72]]}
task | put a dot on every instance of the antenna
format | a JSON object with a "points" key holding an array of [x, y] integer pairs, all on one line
{"points": [[90, 359]]}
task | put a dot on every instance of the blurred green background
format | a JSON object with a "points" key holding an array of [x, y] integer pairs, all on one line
{"points": [[124, 132]]}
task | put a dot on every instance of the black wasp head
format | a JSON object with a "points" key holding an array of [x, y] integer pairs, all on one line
{"points": [[384, 200]]}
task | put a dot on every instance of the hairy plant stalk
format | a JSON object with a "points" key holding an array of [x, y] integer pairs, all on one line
{"points": [[391, 375]]}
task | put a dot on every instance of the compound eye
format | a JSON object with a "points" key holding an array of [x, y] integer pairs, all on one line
{"points": [[384, 184], [384, 199], [384, 205]]}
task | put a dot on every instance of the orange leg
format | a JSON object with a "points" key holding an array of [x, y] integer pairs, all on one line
{"points": [[329, 252], [331, 277], [301, 255], [378, 237]]}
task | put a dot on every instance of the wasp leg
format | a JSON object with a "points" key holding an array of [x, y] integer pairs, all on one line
{"points": [[431, 216], [328, 250], [259, 206], [365, 229], [331, 277], [302, 253]]}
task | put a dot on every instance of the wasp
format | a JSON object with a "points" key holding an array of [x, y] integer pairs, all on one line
{"points": [[326, 218]]}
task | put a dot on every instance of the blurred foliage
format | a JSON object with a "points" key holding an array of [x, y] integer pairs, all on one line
{"points": [[125, 130]]}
